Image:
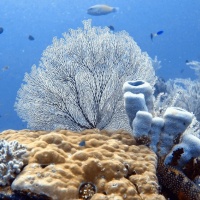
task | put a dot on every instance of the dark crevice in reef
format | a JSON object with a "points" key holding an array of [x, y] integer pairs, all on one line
{"points": [[168, 194], [137, 189], [7, 194]]}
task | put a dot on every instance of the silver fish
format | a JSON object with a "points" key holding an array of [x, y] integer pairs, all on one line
{"points": [[97, 10]]}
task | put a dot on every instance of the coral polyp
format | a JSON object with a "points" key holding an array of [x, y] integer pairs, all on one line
{"points": [[87, 190]]}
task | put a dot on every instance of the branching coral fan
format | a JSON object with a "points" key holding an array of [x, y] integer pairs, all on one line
{"points": [[79, 80]]}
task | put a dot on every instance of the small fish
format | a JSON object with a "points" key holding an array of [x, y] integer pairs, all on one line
{"points": [[30, 37], [82, 143], [192, 63], [187, 61], [152, 35], [111, 28], [5, 68], [97, 10], [1, 30]]}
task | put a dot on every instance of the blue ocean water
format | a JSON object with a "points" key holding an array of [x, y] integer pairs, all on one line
{"points": [[44, 19]]}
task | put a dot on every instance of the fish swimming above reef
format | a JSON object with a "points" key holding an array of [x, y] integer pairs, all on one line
{"points": [[30, 37], [152, 35], [1, 30], [82, 143], [111, 28], [187, 61], [5, 68], [98, 10], [193, 64]]}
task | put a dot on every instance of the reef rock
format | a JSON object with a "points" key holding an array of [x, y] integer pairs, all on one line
{"points": [[92, 164]]}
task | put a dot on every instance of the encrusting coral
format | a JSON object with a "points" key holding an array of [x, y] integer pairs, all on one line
{"points": [[92, 164]]}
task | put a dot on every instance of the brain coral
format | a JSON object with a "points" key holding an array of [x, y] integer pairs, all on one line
{"points": [[93, 164]]}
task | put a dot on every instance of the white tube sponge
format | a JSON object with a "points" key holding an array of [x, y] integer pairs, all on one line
{"points": [[176, 121], [156, 129], [141, 124], [134, 103], [191, 149], [143, 87]]}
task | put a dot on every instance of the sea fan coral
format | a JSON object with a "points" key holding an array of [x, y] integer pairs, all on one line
{"points": [[78, 84]]}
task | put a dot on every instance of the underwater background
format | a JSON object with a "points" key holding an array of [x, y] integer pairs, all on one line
{"points": [[29, 27]]}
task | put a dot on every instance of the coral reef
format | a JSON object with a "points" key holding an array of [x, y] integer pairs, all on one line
{"points": [[169, 136], [107, 165], [141, 123], [190, 145], [184, 93], [195, 65], [141, 87], [177, 182], [11, 160], [7, 194], [87, 190], [176, 121], [88, 62], [134, 102], [162, 132]]}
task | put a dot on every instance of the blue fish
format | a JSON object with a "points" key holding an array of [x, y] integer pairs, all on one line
{"points": [[82, 143], [111, 28], [160, 32], [30, 37], [97, 10], [1, 30], [156, 34]]}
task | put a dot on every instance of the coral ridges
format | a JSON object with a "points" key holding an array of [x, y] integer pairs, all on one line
{"points": [[109, 164]]}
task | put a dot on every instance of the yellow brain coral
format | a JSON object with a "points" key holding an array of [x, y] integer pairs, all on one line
{"points": [[92, 164]]}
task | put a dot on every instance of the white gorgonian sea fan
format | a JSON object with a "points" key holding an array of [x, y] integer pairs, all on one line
{"points": [[78, 84]]}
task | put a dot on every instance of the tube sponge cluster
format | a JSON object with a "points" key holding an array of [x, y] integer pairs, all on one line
{"points": [[11, 160], [191, 149], [160, 133]]}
